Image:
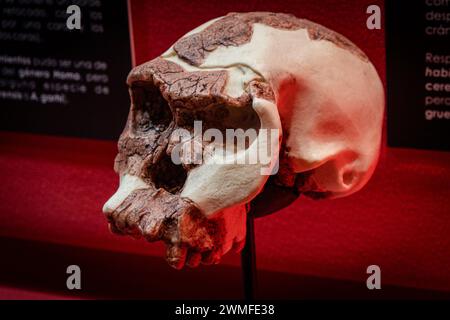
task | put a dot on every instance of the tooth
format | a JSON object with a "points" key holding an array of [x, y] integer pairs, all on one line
{"points": [[176, 255], [193, 259]]}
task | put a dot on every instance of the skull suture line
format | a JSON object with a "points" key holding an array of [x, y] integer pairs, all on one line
{"points": [[245, 70]]}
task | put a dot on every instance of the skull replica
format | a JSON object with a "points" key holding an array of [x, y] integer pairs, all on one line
{"points": [[244, 71]]}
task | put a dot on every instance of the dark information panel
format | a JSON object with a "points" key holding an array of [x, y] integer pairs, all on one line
{"points": [[59, 81], [418, 73]]}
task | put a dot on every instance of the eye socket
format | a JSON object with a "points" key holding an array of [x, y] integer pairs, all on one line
{"points": [[151, 110]]}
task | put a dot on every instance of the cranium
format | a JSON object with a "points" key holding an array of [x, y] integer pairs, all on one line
{"points": [[244, 70]]}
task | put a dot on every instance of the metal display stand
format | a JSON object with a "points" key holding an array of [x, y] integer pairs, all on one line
{"points": [[272, 199], [248, 260]]}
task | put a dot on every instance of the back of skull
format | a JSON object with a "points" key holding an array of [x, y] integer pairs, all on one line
{"points": [[329, 96]]}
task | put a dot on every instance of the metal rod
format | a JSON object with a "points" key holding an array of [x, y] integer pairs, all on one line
{"points": [[248, 259]]}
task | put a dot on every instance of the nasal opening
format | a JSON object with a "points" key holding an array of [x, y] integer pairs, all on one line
{"points": [[168, 175]]}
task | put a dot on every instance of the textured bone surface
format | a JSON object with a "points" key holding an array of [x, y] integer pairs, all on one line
{"points": [[257, 71]]}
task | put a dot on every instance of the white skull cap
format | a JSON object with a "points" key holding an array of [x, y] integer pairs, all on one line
{"points": [[328, 94]]}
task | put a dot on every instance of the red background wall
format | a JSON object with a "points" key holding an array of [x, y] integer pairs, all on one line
{"points": [[53, 190]]}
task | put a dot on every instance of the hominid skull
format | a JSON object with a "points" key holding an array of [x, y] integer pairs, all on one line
{"points": [[316, 92]]}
